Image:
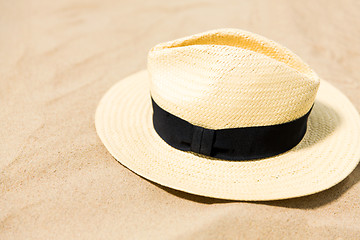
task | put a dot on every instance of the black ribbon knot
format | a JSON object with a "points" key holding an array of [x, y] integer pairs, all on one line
{"points": [[202, 140]]}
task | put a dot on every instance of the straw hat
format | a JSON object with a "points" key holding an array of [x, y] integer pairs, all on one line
{"points": [[230, 114]]}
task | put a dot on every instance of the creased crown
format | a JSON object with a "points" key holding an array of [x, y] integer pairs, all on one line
{"points": [[229, 78]]}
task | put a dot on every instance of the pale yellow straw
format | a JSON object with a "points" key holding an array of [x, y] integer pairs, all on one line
{"points": [[231, 78]]}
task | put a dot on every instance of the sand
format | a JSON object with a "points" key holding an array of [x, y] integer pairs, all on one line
{"points": [[57, 59]]}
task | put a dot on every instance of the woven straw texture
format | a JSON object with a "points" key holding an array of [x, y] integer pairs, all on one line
{"points": [[327, 154], [230, 78]]}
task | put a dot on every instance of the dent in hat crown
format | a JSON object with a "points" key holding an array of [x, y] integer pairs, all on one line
{"points": [[230, 78]]}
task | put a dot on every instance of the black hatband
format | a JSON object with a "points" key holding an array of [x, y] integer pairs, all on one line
{"points": [[232, 143]]}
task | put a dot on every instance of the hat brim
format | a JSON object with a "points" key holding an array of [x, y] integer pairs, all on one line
{"points": [[329, 151]]}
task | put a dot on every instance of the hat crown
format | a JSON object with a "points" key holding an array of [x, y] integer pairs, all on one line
{"points": [[230, 78]]}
